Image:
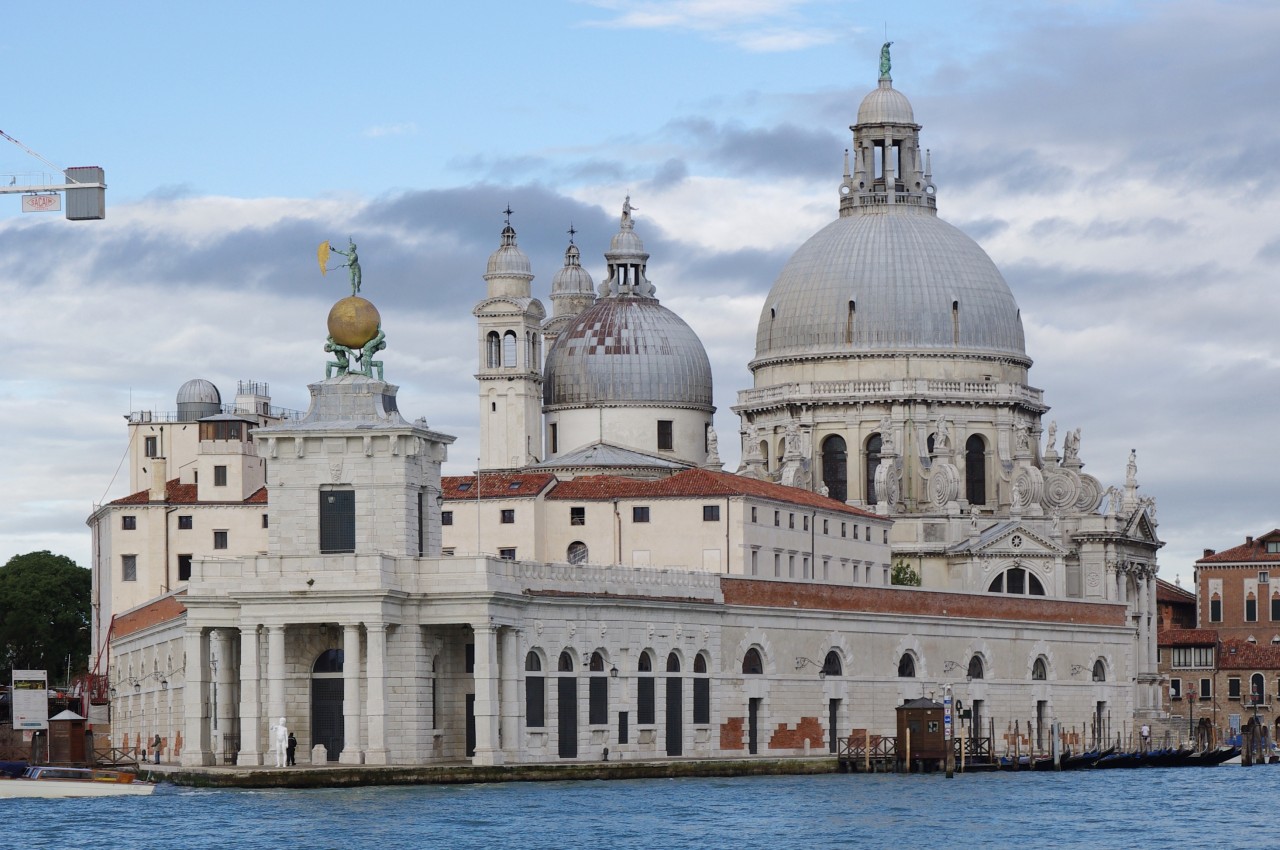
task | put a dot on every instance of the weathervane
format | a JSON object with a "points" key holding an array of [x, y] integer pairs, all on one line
{"points": [[355, 327]]}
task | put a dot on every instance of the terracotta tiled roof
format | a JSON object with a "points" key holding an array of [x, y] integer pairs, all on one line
{"points": [[1253, 550], [160, 610], [496, 485], [1169, 592], [1241, 655], [177, 493], [694, 484], [1187, 637]]}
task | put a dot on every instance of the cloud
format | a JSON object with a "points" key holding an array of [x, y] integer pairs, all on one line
{"points": [[406, 128], [748, 24]]}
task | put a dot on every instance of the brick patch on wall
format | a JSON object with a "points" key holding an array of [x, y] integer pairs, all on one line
{"points": [[731, 737], [786, 738]]}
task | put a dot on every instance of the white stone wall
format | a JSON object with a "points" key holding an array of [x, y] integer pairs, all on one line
{"points": [[632, 427]]}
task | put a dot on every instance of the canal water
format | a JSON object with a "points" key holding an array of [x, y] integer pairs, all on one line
{"points": [[1225, 807]]}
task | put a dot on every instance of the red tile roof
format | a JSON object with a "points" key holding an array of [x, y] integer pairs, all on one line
{"points": [[1187, 637], [1169, 592], [1253, 550], [1241, 655], [496, 485], [177, 493], [694, 484]]}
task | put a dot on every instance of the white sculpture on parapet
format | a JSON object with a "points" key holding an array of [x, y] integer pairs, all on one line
{"points": [[281, 731]]}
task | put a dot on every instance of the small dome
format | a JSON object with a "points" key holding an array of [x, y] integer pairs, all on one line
{"points": [[508, 260], [886, 105], [572, 278], [199, 391], [628, 350], [626, 241]]}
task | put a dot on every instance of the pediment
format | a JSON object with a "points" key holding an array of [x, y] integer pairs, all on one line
{"points": [[1140, 527], [1011, 539]]}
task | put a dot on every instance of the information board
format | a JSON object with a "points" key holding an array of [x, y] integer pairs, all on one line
{"points": [[30, 699]]}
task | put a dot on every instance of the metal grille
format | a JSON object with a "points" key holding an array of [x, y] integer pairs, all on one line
{"points": [[337, 521]]}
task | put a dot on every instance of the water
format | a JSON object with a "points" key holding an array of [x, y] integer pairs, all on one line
{"points": [[1226, 807]]}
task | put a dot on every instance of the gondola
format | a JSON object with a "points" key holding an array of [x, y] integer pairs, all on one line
{"points": [[1086, 759]]}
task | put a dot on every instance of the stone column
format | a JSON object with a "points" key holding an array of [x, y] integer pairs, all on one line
{"points": [[223, 717], [487, 709], [1143, 639], [377, 694], [509, 661], [250, 698], [275, 676], [1153, 614], [196, 750], [350, 695]]}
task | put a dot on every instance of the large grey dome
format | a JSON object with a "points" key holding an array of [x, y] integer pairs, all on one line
{"points": [[894, 279], [628, 350]]}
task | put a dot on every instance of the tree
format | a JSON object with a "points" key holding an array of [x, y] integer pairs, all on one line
{"points": [[44, 614], [903, 574]]}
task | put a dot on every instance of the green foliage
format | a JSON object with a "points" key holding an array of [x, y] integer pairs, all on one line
{"points": [[903, 574], [44, 614]]}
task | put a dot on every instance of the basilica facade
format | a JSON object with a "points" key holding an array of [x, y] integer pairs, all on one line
{"points": [[601, 582]]}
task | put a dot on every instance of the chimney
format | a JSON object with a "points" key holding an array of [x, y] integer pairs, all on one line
{"points": [[1208, 552], [1248, 541], [159, 474]]}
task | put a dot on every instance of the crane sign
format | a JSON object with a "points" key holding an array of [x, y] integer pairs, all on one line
{"points": [[85, 188]]}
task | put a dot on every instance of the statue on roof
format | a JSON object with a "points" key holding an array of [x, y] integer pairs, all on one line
{"points": [[352, 263], [626, 211], [885, 63]]}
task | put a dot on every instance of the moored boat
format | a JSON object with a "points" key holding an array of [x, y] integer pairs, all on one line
{"points": [[48, 781]]}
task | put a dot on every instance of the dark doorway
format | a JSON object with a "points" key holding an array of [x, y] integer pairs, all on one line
{"points": [[675, 716], [871, 460], [567, 715], [753, 726], [835, 467], [471, 725], [326, 703], [833, 718]]}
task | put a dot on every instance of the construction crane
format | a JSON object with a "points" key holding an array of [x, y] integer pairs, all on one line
{"points": [[85, 188]]}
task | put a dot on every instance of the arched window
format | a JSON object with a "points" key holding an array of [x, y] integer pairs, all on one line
{"points": [[1039, 670], [906, 666], [577, 553], [752, 664], [509, 348], [835, 467], [330, 661], [566, 662], [701, 691], [871, 458], [831, 665], [1018, 581], [1099, 671], [673, 663], [535, 690], [1257, 688], [644, 690], [493, 350], [975, 470], [597, 692], [764, 452], [975, 667]]}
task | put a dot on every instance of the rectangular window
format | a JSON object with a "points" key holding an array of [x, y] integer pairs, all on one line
{"points": [[534, 702], [507, 554], [826, 569], [446, 517], [1206, 689], [1275, 608], [151, 447], [806, 522], [128, 523], [777, 565], [1175, 689], [508, 515], [791, 520], [1273, 547], [804, 571], [1215, 611], [129, 567], [264, 521], [554, 438], [184, 568], [219, 476], [755, 562], [825, 527], [184, 522], [777, 518], [337, 521], [624, 729], [220, 540], [1233, 688], [666, 441], [644, 701], [701, 702], [710, 513], [886, 535], [844, 530], [640, 513], [1264, 577], [577, 516], [791, 566], [598, 700], [1251, 610], [753, 513]]}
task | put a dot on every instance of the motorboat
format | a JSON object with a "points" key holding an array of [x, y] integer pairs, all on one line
{"points": [[53, 781]]}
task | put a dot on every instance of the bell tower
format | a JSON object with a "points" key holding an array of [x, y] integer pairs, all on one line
{"points": [[509, 324]]}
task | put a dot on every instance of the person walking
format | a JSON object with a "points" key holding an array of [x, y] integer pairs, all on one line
{"points": [[155, 747], [290, 750]]}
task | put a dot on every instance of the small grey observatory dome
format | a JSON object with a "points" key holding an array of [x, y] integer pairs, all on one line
{"points": [[627, 348], [198, 398]]}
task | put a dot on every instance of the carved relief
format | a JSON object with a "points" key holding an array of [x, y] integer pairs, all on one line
{"points": [[1090, 494], [1028, 487], [944, 484], [1061, 488]]}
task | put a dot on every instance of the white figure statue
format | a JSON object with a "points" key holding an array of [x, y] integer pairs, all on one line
{"points": [[1131, 472], [282, 741], [1051, 439], [942, 436]]}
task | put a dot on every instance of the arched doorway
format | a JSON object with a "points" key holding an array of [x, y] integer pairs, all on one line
{"points": [[567, 707], [326, 703], [675, 707], [975, 470], [872, 461], [835, 467]]}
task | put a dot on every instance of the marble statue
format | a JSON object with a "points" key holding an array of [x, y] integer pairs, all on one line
{"points": [[281, 731], [942, 436], [886, 436], [885, 62], [1071, 445], [1131, 471], [791, 439], [1051, 438]]}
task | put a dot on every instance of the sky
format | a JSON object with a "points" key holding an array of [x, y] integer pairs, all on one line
{"points": [[1119, 161]]}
